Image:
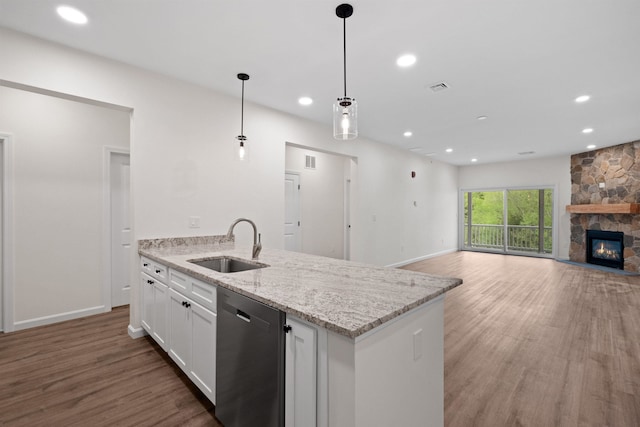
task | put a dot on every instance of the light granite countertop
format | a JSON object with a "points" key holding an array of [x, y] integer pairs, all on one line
{"points": [[342, 296]]}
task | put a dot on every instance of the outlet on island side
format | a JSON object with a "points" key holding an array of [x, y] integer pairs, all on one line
{"points": [[417, 344]]}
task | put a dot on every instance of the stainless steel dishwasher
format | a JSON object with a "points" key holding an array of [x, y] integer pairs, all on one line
{"points": [[249, 362]]}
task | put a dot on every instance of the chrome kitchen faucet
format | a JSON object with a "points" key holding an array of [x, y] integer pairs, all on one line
{"points": [[257, 245]]}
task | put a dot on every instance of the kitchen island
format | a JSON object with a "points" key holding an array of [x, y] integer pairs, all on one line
{"points": [[379, 330]]}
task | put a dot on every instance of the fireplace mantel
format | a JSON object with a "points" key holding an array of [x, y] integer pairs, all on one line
{"points": [[613, 208]]}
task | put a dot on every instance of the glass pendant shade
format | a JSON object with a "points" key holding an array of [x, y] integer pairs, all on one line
{"points": [[242, 153], [345, 118]]}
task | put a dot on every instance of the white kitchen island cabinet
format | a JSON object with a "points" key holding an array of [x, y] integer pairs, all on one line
{"points": [[301, 374], [193, 341], [366, 344], [155, 299]]}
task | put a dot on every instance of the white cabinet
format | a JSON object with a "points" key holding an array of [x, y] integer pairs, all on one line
{"points": [[193, 341], [154, 308], [301, 374], [179, 312]]}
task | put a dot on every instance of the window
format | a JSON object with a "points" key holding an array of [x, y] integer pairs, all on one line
{"points": [[509, 221]]}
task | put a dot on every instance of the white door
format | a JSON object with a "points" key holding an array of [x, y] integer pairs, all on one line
{"points": [[120, 229], [292, 212], [347, 219], [2, 284]]}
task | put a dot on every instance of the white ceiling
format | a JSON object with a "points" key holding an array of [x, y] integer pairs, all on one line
{"points": [[521, 63]]}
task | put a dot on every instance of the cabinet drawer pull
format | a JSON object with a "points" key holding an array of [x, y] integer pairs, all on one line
{"points": [[158, 271], [150, 282], [146, 264]]}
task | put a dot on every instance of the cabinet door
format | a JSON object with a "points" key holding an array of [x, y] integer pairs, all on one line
{"points": [[161, 318], [300, 376], [179, 330], [146, 282], [202, 370]]}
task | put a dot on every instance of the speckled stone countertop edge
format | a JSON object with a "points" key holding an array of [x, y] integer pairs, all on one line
{"points": [[174, 252]]}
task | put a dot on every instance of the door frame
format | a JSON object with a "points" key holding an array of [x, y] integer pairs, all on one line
{"points": [[346, 252], [107, 242], [7, 267]]}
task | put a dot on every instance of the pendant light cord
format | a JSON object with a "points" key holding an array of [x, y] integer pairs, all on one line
{"points": [[344, 50], [242, 112]]}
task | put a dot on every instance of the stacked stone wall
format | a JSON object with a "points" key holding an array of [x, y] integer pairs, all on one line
{"points": [[618, 168]]}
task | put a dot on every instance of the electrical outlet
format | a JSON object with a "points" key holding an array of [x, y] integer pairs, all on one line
{"points": [[194, 222], [417, 344]]}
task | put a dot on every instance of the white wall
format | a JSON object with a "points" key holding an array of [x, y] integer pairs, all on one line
{"points": [[321, 200], [57, 204], [550, 171], [182, 140]]}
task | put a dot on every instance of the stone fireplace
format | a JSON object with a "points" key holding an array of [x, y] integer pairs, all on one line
{"points": [[605, 196]]}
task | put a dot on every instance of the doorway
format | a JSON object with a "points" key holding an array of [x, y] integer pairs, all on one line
{"points": [[119, 238], [320, 200]]}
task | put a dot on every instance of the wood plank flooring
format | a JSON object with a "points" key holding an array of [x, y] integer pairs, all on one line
{"points": [[528, 342], [89, 372], [535, 342]]}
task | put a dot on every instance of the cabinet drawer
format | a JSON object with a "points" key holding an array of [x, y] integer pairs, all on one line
{"points": [[200, 292], [204, 293], [180, 282], [154, 269]]}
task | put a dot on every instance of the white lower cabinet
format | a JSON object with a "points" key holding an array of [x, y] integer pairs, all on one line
{"points": [[193, 341], [155, 296], [301, 383]]}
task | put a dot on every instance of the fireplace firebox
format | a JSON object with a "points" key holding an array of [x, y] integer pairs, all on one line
{"points": [[605, 248]]}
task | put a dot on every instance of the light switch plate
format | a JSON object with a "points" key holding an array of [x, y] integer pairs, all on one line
{"points": [[194, 222]]}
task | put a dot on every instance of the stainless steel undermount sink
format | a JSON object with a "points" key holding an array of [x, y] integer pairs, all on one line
{"points": [[225, 264]]}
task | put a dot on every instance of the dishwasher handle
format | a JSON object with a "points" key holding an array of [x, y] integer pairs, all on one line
{"points": [[244, 316]]}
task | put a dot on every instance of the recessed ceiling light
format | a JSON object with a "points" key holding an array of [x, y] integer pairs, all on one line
{"points": [[305, 100], [583, 98], [73, 15], [481, 117], [449, 150], [591, 147], [406, 60], [474, 160], [416, 149], [587, 130], [408, 133]]}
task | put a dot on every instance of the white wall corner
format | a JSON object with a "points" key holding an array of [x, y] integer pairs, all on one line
{"points": [[136, 333]]}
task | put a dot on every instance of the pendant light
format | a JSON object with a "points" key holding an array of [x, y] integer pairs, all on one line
{"points": [[243, 149], [345, 109]]}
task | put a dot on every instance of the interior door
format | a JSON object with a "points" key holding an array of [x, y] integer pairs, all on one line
{"points": [[120, 229], [292, 212]]}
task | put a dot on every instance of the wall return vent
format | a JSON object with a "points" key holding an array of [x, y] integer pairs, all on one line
{"points": [[310, 162]]}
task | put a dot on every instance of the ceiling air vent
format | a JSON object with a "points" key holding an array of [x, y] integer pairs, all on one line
{"points": [[310, 162], [439, 87]]}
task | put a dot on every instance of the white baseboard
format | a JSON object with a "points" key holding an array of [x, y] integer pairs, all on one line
{"points": [[422, 258], [136, 333], [61, 317]]}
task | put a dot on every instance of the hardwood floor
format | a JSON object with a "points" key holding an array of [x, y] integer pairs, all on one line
{"points": [[535, 342], [528, 342], [89, 372]]}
